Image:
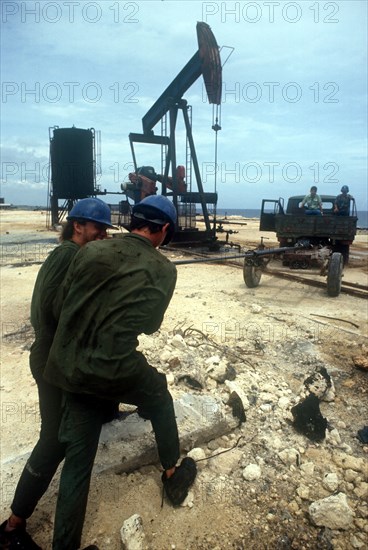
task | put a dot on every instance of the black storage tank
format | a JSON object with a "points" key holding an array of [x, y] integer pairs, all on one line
{"points": [[72, 163]]}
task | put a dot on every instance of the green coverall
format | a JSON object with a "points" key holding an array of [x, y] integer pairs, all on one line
{"points": [[114, 291], [48, 452]]}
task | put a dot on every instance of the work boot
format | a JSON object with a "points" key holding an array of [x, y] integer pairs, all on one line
{"points": [[177, 486], [17, 539]]}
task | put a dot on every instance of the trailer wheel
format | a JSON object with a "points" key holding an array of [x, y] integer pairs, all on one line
{"points": [[334, 274], [252, 275]]}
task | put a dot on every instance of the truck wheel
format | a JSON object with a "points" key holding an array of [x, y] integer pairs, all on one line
{"points": [[334, 274], [252, 275]]}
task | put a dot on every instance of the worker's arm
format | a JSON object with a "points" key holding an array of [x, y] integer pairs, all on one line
{"points": [[63, 288]]}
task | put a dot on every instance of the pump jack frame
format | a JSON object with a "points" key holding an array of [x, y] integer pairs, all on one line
{"points": [[208, 235], [206, 62]]}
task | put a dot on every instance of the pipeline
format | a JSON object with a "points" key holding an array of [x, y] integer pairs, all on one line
{"points": [[248, 254], [212, 259]]}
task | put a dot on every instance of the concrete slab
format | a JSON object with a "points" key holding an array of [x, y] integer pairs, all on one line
{"points": [[128, 444]]}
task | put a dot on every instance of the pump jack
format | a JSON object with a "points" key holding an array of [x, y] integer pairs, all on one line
{"points": [[206, 61]]}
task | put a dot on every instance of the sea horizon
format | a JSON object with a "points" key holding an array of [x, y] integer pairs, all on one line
{"points": [[221, 212], [255, 213]]}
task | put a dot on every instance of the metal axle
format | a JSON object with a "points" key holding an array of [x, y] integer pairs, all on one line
{"points": [[249, 254]]}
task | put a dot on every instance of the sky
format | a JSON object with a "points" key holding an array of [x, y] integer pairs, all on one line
{"points": [[294, 95]]}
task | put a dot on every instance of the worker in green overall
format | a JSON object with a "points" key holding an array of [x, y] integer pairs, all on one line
{"points": [[342, 202], [114, 291], [87, 221]]}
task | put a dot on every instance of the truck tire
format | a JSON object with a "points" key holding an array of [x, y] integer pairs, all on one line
{"points": [[252, 275], [334, 274]]}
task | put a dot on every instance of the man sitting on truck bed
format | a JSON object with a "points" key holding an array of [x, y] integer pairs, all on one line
{"points": [[312, 202], [342, 202]]}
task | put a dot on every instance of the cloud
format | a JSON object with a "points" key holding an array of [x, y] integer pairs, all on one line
{"points": [[293, 91]]}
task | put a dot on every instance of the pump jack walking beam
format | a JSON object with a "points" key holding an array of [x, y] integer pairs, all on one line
{"points": [[205, 61]]}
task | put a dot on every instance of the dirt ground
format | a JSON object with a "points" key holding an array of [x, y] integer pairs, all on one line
{"points": [[274, 336]]}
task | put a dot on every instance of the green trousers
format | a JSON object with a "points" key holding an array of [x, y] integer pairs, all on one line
{"points": [[46, 455], [48, 452], [80, 430]]}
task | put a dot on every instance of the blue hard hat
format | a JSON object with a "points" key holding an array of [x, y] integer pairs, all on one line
{"points": [[92, 210], [161, 206], [345, 189], [157, 209]]}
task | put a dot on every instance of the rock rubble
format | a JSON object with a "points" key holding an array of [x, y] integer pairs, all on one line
{"points": [[266, 451]]}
